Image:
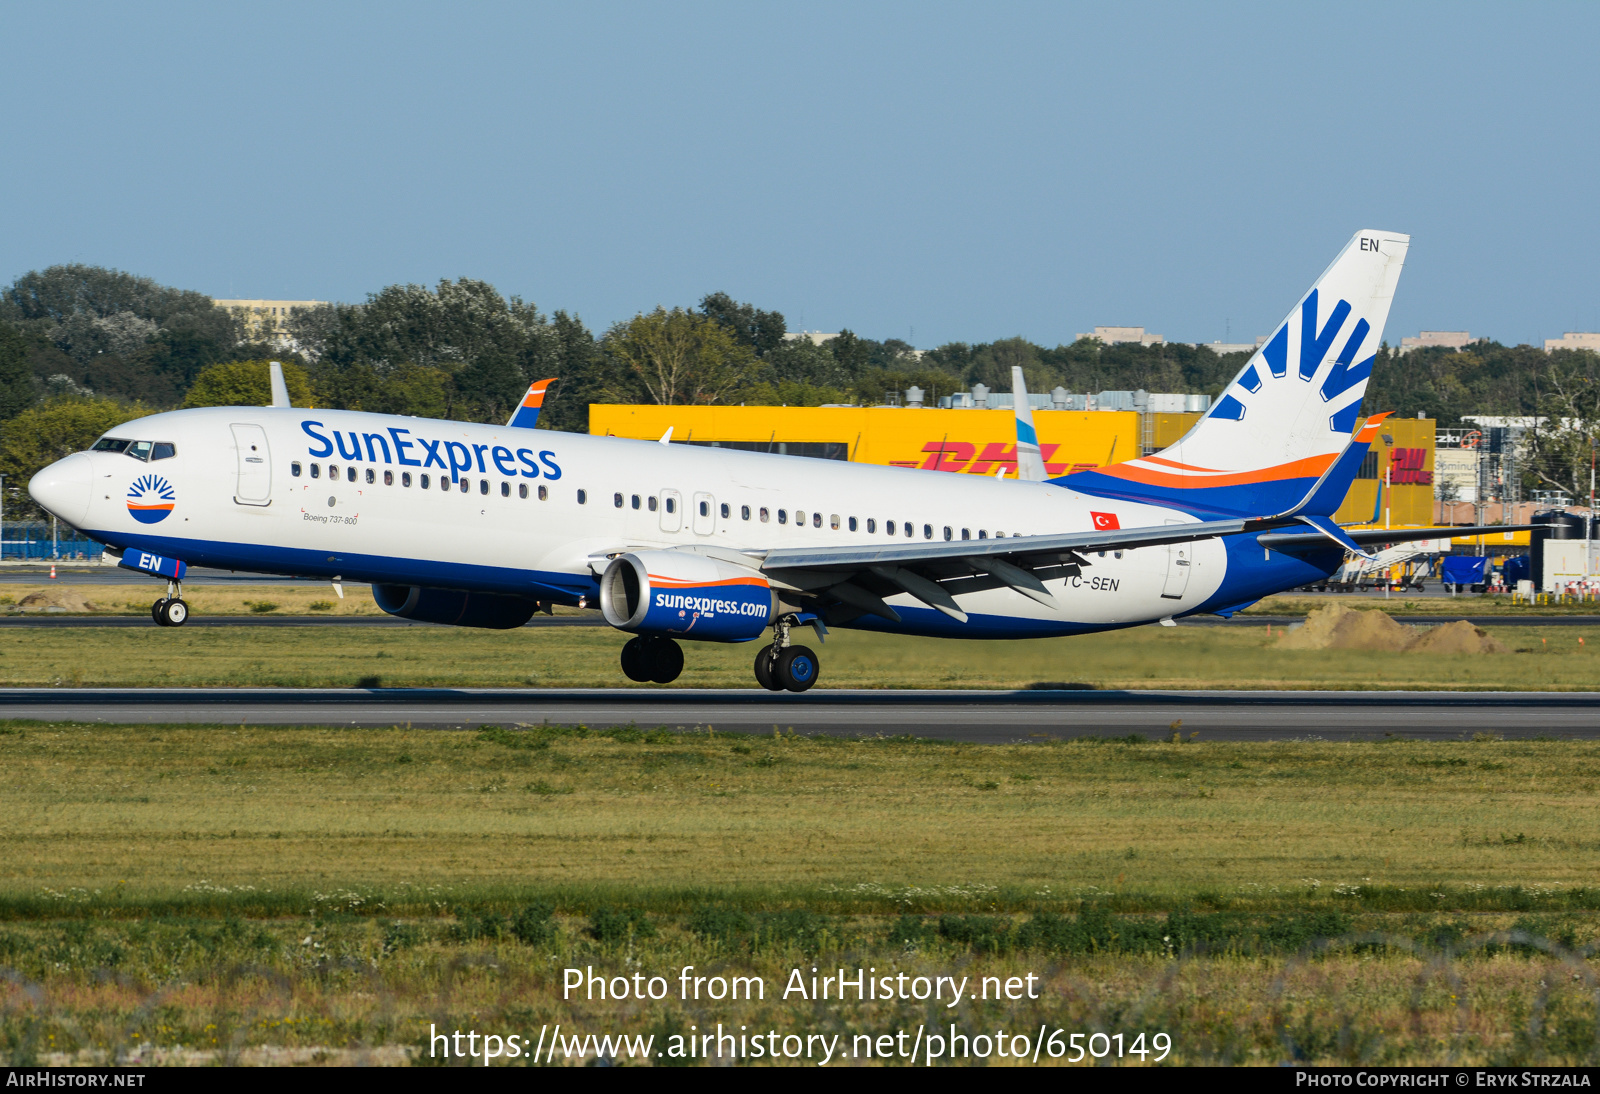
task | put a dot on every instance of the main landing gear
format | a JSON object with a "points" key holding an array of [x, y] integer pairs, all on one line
{"points": [[652, 659], [782, 667], [170, 610]]}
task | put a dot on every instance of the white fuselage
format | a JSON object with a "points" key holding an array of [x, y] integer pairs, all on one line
{"points": [[540, 512]]}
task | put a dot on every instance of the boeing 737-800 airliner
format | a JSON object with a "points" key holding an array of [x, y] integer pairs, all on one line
{"points": [[481, 526]]}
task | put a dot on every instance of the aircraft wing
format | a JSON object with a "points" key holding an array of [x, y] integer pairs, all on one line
{"points": [[858, 578]]}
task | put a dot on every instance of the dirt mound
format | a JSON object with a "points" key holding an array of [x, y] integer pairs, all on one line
{"points": [[63, 598], [1336, 627], [1457, 637]]}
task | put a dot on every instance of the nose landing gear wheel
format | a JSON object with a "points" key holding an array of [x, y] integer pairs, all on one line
{"points": [[633, 661], [796, 669], [764, 666], [652, 660], [170, 613], [666, 660]]}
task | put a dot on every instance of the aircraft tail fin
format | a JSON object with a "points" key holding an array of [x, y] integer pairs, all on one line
{"points": [[280, 390], [1030, 464], [527, 415], [1288, 415]]}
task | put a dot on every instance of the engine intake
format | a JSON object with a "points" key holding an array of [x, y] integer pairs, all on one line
{"points": [[686, 596], [454, 607]]}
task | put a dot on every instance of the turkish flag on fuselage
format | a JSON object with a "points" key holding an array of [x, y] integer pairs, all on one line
{"points": [[1106, 522]]}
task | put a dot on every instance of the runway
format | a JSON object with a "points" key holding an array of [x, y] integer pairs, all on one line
{"points": [[990, 717], [593, 619]]}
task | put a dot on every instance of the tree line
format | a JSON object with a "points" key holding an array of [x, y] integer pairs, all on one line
{"points": [[84, 347]]}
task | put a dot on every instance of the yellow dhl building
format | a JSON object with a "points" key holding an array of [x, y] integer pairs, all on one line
{"points": [[982, 442]]}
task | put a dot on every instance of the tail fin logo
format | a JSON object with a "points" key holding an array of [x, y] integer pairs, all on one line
{"points": [[150, 499], [1344, 381]]}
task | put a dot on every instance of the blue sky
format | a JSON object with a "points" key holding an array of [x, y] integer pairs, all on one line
{"points": [[966, 172]]}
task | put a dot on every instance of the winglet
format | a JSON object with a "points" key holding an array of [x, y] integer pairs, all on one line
{"points": [[666, 438], [280, 390], [527, 415], [1030, 464]]}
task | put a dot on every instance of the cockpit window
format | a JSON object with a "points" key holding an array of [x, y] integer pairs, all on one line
{"points": [[109, 444], [163, 450], [139, 450]]}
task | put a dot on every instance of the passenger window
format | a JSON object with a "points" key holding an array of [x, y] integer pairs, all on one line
{"points": [[634, 501], [947, 536], [966, 533], [872, 525], [816, 520], [927, 531], [505, 490], [744, 512], [982, 534], [764, 514], [583, 497], [652, 503], [388, 478], [163, 450], [799, 517], [372, 476], [294, 469], [1116, 554], [543, 492], [350, 474], [1102, 554], [616, 500], [852, 523], [522, 490], [888, 527], [316, 470], [672, 505], [783, 516], [405, 478], [483, 486], [466, 484], [333, 472], [426, 482], [705, 508], [139, 450], [726, 512]]}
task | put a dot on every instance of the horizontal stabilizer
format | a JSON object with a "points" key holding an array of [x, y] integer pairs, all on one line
{"points": [[1371, 537]]}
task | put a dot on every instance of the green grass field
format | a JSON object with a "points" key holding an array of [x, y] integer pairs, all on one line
{"points": [[216, 893], [1146, 657]]}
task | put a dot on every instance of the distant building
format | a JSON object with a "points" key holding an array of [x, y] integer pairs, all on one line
{"points": [[1220, 348], [265, 320], [815, 337], [1112, 336], [1449, 339], [1574, 339]]}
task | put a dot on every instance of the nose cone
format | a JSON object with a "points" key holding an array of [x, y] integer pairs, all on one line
{"points": [[64, 488]]}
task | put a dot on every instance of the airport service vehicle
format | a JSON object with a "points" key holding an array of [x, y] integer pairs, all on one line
{"points": [[481, 526]]}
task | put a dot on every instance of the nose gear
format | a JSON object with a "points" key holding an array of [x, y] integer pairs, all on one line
{"points": [[652, 659]]}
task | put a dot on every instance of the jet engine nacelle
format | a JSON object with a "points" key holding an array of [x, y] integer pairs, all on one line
{"points": [[454, 607], [686, 596]]}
